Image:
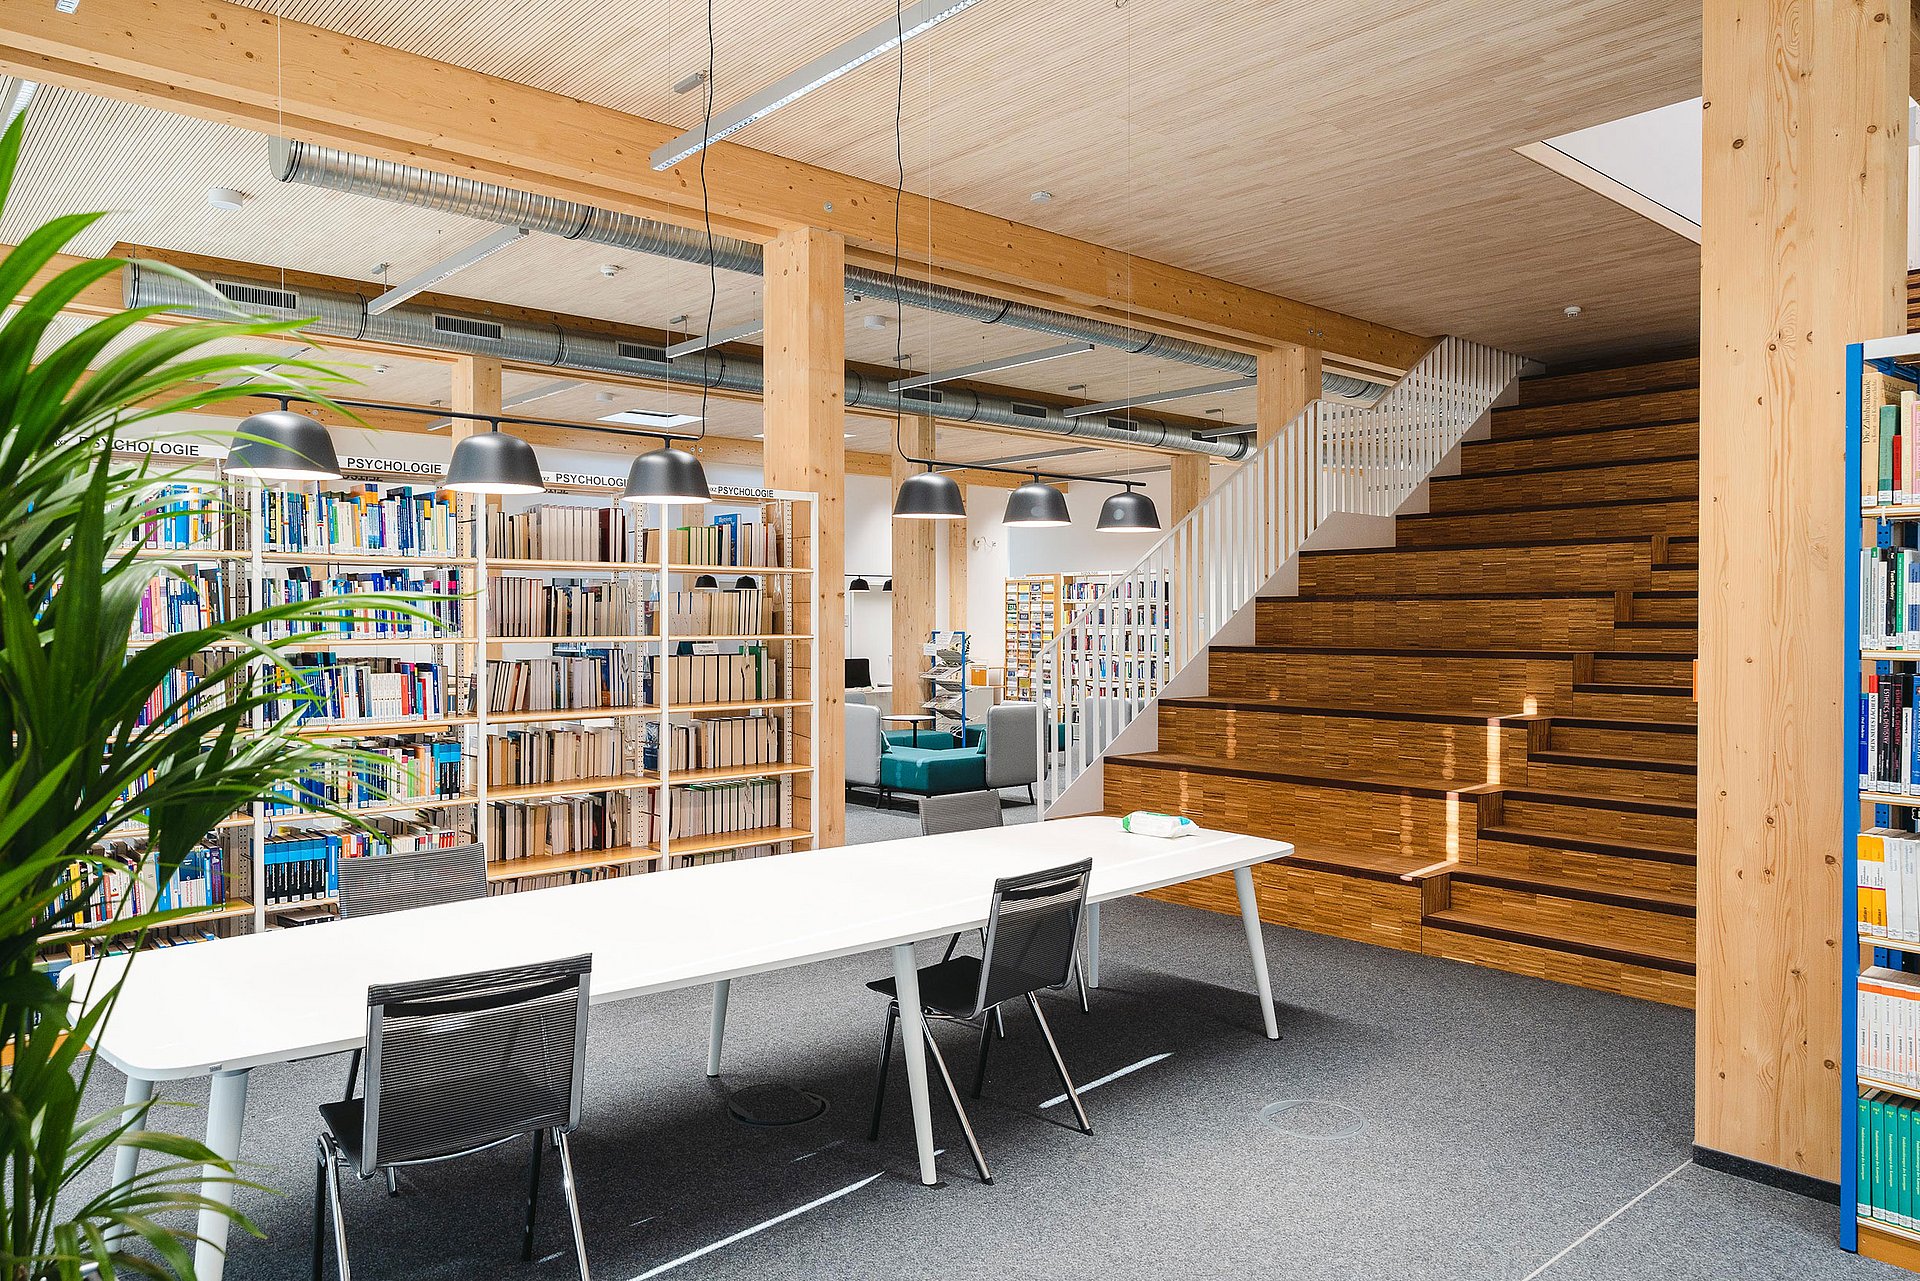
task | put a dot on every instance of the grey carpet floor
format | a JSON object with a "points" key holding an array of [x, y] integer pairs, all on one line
{"points": [[1447, 1122]]}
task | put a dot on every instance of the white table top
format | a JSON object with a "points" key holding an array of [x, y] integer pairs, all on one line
{"points": [[291, 994]]}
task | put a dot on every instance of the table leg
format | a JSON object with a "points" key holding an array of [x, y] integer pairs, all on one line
{"points": [[126, 1158], [1093, 945], [1250, 917], [906, 982], [719, 1032], [226, 1110]]}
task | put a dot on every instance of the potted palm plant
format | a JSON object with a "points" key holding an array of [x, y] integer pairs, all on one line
{"points": [[82, 752]]}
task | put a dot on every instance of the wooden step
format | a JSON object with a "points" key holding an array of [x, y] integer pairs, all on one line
{"points": [[1596, 384], [1557, 486], [1631, 702], [1623, 738], [1682, 550], [1532, 858], [1558, 908], [1651, 973], [1449, 749], [1669, 670], [1580, 620], [1601, 774], [1671, 578], [1643, 636], [1629, 819], [1545, 567], [1666, 605], [1640, 850], [1681, 404], [1494, 683], [1362, 903], [1593, 445], [1614, 518]]}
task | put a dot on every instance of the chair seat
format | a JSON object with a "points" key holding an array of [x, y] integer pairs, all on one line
{"points": [[947, 988], [346, 1122]]}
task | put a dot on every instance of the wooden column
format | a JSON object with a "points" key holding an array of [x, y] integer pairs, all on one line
{"points": [[805, 449], [959, 541], [1288, 377], [1803, 251], [1192, 481], [913, 584], [476, 390]]}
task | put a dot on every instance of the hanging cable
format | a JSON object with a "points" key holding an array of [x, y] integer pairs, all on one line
{"points": [[899, 191], [706, 216]]}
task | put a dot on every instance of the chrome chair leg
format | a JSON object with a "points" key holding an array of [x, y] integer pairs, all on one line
{"points": [[886, 1060], [1080, 977], [393, 1181], [533, 1195], [999, 1024], [339, 1214], [319, 1204], [353, 1076], [986, 1039], [1060, 1065], [573, 1203], [959, 1112]]}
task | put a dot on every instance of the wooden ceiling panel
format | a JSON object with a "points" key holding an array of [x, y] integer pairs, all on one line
{"points": [[1355, 154]]}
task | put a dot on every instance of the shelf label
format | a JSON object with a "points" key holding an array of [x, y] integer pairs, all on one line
{"points": [[397, 466]]}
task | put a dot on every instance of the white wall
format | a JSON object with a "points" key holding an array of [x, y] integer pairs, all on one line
{"points": [[869, 553], [1080, 548]]}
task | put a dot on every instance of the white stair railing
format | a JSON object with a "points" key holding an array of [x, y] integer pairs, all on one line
{"points": [[1139, 628]]}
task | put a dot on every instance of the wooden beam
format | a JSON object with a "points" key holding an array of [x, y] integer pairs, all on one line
{"points": [[243, 67], [1803, 250], [1192, 482], [913, 584], [1289, 379], [806, 354]]}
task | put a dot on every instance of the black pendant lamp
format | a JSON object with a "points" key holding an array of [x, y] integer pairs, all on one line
{"points": [[706, 580], [859, 585], [744, 583], [1036, 506], [929, 496], [667, 475], [283, 445], [493, 462], [1128, 513]]}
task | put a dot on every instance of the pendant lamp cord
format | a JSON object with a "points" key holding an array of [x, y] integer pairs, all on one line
{"points": [[706, 215], [899, 192]]}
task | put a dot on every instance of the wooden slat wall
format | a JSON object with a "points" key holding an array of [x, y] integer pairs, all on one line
{"points": [[1418, 751], [1575, 567], [1495, 686], [1551, 622]]}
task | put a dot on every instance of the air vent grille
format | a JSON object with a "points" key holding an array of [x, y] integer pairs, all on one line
{"points": [[257, 295], [632, 351], [927, 395], [467, 327], [1029, 411]]}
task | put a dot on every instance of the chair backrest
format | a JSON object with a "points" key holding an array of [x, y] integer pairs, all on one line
{"points": [[1013, 745], [863, 745], [421, 878], [458, 1063], [959, 812], [1032, 930]]}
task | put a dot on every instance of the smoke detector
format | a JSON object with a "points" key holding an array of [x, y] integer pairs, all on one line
{"points": [[873, 322], [610, 269], [1040, 197], [226, 197], [1571, 313]]}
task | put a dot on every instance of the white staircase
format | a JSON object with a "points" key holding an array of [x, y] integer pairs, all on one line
{"points": [[1141, 628]]}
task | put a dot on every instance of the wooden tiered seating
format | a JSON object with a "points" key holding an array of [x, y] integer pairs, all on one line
{"points": [[1480, 740]]}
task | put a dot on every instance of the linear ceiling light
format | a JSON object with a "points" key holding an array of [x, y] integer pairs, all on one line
{"points": [[1157, 397], [991, 366], [541, 392], [1238, 429], [692, 345], [446, 267], [825, 69]]}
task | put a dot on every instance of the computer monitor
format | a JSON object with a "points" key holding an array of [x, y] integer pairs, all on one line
{"points": [[859, 673]]}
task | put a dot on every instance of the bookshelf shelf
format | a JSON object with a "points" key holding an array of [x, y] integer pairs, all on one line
{"points": [[361, 557], [734, 773], [570, 787], [737, 571], [691, 845], [491, 641], [515, 869], [369, 729], [1889, 798], [569, 714], [572, 566], [1897, 945], [232, 909], [1890, 1087]]}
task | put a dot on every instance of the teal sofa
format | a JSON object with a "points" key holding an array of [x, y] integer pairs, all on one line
{"points": [[929, 770]]}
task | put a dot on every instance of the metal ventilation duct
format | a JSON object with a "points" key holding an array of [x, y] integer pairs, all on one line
{"points": [[335, 170], [344, 315]]}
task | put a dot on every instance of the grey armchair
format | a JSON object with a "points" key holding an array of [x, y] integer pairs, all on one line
{"points": [[864, 745], [1013, 746]]}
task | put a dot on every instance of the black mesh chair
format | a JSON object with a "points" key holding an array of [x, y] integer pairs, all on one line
{"points": [[455, 1066], [395, 882], [969, 812], [1032, 928]]}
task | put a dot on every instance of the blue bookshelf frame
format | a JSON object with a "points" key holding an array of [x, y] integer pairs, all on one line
{"points": [[1880, 356]]}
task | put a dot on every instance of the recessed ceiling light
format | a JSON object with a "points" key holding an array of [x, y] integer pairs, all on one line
{"points": [[1041, 197], [226, 197], [650, 418]]}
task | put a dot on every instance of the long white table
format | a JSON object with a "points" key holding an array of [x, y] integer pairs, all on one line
{"points": [[222, 1008]]}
